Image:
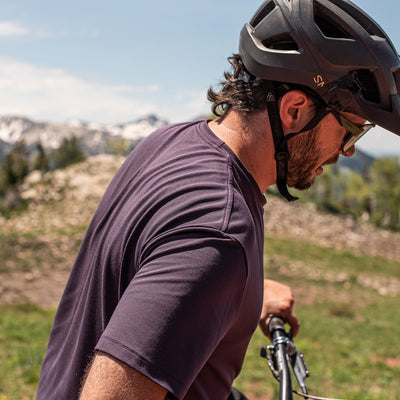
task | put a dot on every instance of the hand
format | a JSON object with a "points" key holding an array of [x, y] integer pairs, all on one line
{"points": [[278, 301]]}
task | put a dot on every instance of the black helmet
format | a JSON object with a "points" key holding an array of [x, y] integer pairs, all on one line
{"points": [[330, 46]]}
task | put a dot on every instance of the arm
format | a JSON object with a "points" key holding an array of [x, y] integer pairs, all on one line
{"points": [[187, 283], [278, 301], [109, 378]]}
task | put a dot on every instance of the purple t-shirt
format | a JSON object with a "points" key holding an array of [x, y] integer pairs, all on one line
{"points": [[169, 277]]}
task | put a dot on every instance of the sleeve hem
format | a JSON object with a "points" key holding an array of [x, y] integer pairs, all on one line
{"points": [[138, 362]]}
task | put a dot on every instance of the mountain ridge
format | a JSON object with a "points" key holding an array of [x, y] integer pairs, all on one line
{"points": [[95, 137]]}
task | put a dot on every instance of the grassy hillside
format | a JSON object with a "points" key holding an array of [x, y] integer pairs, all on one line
{"points": [[346, 288], [349, 335], [350, 324]]}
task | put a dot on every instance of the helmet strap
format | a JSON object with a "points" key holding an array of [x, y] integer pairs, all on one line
{"points": [[281, 150], [280, 140]]}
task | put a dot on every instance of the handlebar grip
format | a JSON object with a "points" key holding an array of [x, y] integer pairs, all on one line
{"points": [[275, 325]]}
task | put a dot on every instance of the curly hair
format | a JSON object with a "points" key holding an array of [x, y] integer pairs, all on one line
{"points": [[246, 94], [237, 94]]}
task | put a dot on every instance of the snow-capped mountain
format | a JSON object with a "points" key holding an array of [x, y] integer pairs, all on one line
{"points": [[137, 129], [12, 129], [94, 137]]}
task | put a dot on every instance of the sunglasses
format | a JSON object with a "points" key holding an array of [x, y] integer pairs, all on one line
{"points": [[354, 132]]}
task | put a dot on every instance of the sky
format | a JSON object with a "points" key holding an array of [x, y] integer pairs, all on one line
{"points": [[116, 61]]}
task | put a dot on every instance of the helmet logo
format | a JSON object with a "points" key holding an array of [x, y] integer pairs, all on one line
{"points": [[270, 96], [319, 81]]}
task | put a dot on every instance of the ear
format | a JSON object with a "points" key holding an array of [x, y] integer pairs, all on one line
{"points": [[295, 110]]}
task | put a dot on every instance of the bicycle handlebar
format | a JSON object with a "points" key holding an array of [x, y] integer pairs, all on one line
{"points": [[282, 355], [281, 361]]}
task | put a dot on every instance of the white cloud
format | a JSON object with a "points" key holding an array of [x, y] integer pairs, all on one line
{"points": [[13, 28], [135, 89], [9, 28], [55, 95]]}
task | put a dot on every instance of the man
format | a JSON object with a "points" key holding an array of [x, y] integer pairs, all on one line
{"points": [[167, 288]]}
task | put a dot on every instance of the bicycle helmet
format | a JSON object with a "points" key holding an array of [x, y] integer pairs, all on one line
{"points": [[333, 49], [330, 46]]}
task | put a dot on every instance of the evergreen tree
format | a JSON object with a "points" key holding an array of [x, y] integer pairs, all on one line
{"points": [[386, 185], [16, 165], [357, 195], [68, 153], [42, 160]]}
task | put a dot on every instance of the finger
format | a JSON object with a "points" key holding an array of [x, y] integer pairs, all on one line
{"points": [[264, 325], [294, 323]]}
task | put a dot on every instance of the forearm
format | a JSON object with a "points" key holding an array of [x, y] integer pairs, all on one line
{"points": [[109, 378]]}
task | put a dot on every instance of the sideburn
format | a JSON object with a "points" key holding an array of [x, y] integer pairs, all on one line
{"points": [[303, 159]]}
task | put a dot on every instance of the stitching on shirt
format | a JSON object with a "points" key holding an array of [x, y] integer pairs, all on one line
{"points": [[229, 199]]}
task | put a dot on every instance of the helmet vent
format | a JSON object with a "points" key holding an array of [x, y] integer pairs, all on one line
{"points": [[283, 42], [372, 28], [328, 23], [262, 13], [368, 84]]}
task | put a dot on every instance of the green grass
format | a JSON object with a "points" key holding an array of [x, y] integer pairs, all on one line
{"points": [[14, 249], [345, 356], [350, 334], [24, 331], [328, 259], [32, 250]]}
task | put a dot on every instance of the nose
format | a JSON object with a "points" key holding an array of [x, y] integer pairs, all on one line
{"points": [[350, 152]]}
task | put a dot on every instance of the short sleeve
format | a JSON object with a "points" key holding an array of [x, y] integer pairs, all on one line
{"points": [[178, 307]]}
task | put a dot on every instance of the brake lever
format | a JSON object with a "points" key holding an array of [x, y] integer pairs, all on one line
{"points": [[295, 358], [299, 365]]}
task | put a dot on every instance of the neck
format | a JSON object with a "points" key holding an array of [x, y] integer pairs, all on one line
{"points": [[251, 140]]}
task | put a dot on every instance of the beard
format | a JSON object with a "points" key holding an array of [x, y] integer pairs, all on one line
{"points": [[304, 159]]}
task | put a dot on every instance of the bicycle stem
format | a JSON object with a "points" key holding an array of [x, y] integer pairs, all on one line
{"points": [[279, 337]]}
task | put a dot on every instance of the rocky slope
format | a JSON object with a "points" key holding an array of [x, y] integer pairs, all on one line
{"points": [[303, 221]]}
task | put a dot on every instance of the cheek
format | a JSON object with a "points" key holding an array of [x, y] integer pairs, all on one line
{"points": [[304, 141], [331, 136], [330, 144]]}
